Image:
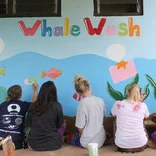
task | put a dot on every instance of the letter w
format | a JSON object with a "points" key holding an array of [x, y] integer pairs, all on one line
{"points": [[92, 30], [30, 31]]}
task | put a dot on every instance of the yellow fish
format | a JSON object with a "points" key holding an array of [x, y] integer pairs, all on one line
{"points": [[2, 71]]}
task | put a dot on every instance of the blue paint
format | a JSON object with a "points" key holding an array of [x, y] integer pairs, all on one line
{"points": [[78, 53], [93, 67]]}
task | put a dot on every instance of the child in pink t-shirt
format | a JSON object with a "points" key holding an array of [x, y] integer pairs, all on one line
{"points": [[130, 114]]}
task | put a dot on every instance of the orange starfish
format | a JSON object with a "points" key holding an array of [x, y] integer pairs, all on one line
{"points": [[121, 64]]}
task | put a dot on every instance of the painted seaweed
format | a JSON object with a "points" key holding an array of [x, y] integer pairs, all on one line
{"points": [[117, 95]]}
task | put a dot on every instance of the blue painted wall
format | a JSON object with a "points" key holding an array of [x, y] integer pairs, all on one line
{"points": [[89, 55]]}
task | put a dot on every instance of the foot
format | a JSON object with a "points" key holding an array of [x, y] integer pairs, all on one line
{"points": [[152, 144]]}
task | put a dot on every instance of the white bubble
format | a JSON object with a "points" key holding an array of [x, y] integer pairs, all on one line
{"points": [[116, 52], [1, 45]]}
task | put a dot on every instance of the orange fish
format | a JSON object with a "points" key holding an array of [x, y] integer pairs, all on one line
{"points": [[52, 73]]}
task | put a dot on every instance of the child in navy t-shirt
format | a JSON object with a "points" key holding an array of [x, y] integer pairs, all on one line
{"points": [[12, 115]]}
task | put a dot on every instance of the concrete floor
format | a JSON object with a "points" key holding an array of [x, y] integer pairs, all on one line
{"points": [[68, 150]]}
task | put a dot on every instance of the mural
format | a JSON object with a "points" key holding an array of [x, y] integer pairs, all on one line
{"points": [[3, 94], [111, 52], [117, 95]]}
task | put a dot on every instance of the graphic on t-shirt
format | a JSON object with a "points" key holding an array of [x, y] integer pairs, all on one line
{"points": [[12, 118], [18, 121], [14, 108], [6, 120], [12, 127], [120, 105], [137, 107]]}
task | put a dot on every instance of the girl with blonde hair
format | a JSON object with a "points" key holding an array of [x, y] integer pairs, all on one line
{"points": [[90, 114], [131, 135]]}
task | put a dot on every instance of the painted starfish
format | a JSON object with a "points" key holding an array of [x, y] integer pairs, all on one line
{"points": [[121, 64]]}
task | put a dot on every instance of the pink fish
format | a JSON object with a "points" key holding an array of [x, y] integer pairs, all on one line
{"points": [[52, 73], [77, 97]]}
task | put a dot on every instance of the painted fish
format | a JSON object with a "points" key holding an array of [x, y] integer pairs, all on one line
{"points": [[52, 73], [30, 80], [77, 97], [2, 71]]}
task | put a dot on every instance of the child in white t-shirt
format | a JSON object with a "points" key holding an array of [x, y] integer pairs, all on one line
{"points": [[130, 114], [90, 115]]}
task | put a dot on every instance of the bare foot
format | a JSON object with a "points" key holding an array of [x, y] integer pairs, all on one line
{"points": [[152, 144]]}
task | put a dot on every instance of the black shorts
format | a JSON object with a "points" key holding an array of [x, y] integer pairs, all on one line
{"points": [[133, 150]]}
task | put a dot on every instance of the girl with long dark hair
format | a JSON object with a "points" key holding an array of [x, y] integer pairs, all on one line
{"points": [[45, 118]]}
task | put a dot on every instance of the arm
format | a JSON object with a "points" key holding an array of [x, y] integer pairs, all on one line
{"points": [[146, 112], [114, 110], [28, 119], [104, 109], [60, 118], [80, 118], [34, 86], [80, 131], [143, 96], [61, 125]]}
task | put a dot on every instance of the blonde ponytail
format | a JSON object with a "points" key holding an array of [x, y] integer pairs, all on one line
{"points": [[80, 83]]}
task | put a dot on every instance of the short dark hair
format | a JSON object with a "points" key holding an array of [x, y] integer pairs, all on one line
{"points": [[47, 94], [14, 93]]}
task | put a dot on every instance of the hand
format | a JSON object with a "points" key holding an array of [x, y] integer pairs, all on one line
{"points": [[143, 96], [34, 86]]}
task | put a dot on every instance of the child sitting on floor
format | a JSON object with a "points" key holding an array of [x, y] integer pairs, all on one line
{"points": [[12, 115], [46, 120], [152, 141]]}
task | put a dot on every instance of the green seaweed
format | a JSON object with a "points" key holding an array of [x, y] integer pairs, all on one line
{"points": [[153, 84], [116, 95], [151, 81], [134, 81], [147, 91]]}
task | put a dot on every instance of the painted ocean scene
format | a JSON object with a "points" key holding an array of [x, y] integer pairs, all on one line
{"points": [[94, 68]]}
